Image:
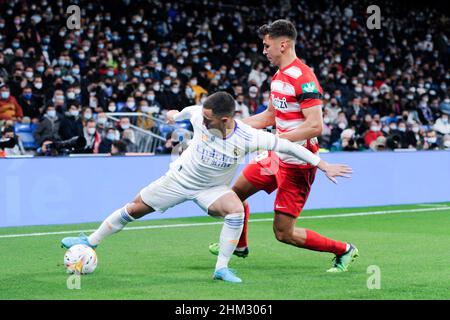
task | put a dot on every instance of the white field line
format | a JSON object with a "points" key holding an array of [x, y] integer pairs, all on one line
{"points": [[184, 225], [433, 205]]}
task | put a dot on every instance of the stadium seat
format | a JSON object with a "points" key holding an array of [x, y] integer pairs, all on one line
{"points": [[25, 132]]}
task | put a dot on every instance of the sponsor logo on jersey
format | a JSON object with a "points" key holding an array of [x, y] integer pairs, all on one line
{"points": [[279, 103], [309, 87]]}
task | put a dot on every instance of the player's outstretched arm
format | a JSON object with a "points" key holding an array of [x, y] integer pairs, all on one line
{"points": [[332, 171], [186, 113], [268, 141]]}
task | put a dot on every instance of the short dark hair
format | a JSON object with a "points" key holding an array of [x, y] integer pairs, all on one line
{"points": [[120, 146], [221, 103], [279, 28]]}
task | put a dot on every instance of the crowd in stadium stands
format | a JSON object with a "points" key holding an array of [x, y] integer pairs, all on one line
{"points": [[383, 89]]}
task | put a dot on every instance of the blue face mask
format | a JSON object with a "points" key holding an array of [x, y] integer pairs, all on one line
{"points": [[111, 136], [27, 96]]}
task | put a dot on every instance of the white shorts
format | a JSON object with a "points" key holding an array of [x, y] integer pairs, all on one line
{"points": [[167, 192]]}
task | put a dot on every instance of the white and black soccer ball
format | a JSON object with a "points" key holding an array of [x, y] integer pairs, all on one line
{"points": [[80, 259]]}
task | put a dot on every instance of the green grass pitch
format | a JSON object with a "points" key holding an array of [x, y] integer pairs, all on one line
{"points": [[410, 247]]}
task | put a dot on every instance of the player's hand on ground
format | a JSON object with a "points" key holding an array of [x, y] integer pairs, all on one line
{"points": [[170, 116], [332, 171]]}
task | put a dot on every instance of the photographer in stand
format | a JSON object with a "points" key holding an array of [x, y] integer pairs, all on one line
{"points": [[62, 148]]}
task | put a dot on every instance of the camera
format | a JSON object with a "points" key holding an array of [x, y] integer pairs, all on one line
{"points": [[66, 147]]}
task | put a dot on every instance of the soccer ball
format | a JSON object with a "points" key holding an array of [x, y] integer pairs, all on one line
{"points": [[80, 259]]}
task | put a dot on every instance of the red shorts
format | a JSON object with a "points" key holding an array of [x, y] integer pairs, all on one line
{"points": [[292, 181]]}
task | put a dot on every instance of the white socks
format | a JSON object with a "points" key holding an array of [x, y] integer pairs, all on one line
{"points": [[229, 238], [114, 223]]}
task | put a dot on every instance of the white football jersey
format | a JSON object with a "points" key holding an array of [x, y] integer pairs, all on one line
{"points": [[211, 160]]}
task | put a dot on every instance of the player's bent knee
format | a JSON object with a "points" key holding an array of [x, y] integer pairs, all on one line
{"points": [[282, 235], [137, 208]]}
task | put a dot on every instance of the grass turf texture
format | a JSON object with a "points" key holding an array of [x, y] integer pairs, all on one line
{"points": [[412, 250]]}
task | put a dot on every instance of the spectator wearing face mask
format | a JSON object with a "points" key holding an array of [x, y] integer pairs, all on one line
{"points": [[253, 99], [59, 101], [93, 138], [102, 124], [373, 133], [264, 104], [71, 124], [107, 141], [87, 115], [333, 110], [29, 104], [9, 107], [188, 97], [173, 98], [199, 90], [442, 125], [48, 127], [444, 106], [414, 138], [424, 112], [431, 141], [146, 122], [123, 124], [242, 110]]}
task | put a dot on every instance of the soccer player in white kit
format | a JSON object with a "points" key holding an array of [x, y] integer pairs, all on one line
{"points": [[203, 174]]}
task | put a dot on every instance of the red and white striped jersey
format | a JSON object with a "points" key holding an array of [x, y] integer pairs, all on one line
{"points": [[293, 89]]}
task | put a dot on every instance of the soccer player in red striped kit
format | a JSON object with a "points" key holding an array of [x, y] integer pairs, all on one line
{"points": [[296, 109]]}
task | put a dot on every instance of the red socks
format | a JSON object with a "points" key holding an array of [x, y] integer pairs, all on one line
{"points": [[243, 239], [316, 242]]}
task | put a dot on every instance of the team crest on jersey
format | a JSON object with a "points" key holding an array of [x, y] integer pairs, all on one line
{"points": [[309, 87], [279, 103], [236, 151]]}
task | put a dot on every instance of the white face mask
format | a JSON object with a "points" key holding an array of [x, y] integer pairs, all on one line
{"points": [[102, 120], [125, 126], [415, 129], [88, 116], [111, 108], [341, 125], [432, 140], [91, 131], [51, 113], [375, 128], [74, 113]]}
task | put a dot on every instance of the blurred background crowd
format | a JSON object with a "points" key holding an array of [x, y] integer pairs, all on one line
{"points": [[112, 81]]}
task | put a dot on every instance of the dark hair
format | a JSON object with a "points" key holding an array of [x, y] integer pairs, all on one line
{"points": [[221, 103], [279, 28], [120, 146]]}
